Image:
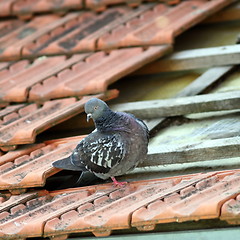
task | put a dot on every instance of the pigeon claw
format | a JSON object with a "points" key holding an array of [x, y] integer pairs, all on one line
{"points": [[118, 184]]}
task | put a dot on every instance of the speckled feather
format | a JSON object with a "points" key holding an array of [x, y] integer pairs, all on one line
{"points": [[117, 145]]}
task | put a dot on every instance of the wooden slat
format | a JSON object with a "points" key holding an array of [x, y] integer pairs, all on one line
{"points": [[182, 106], [203, 151], [195, 59], [204, 81], [196, 87]]}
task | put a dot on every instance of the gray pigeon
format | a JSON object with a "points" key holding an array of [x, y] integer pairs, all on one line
{"points": [[117, 145]]}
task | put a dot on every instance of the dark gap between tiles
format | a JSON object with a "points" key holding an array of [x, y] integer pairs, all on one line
{"points": [[71, 179]]}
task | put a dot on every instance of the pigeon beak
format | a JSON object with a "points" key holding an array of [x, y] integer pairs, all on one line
{"points": [[89, 115]]}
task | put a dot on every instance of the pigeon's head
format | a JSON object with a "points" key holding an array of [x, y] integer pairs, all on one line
{"points": [[95, 108]]}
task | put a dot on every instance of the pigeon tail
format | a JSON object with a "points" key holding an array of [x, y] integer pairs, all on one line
{"points": [[66, 164]]}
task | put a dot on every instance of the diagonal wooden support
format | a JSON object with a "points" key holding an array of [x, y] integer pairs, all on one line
{"points": [[196, 87]]}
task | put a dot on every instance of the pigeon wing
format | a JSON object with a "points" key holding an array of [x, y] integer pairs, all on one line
{"points": [[100, 152]]}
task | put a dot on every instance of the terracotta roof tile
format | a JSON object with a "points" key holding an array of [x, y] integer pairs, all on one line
{"points": [[103, 4], [8, 26], [56, 77], [24, 74], [21, 125], [23, 7], [102, 208], [231, 211], [85, 31], [159, 25], [11, 44], [26, 8], [53, 89], [12, 155], [94, 73], [148, 24], [118, 27], [185, 206], [6, 7], [30, 166]]}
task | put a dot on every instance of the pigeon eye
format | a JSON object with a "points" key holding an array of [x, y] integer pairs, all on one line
{"points": [[95, 107]]}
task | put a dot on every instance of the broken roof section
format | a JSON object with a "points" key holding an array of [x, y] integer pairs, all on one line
{"points": [[101, 209], [49, 78]]}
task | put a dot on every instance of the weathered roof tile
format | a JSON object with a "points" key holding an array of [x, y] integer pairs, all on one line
{"points": [[23, 8], [56, 77], [231, 211], [21, 125], [32, 168], [93, 74], [102, 208], [147, 25]]}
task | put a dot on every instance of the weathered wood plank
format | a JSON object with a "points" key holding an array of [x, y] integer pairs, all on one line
{"points": [[182, 106], [204, 81], [197, 86], [194, 59], [202, 151]]}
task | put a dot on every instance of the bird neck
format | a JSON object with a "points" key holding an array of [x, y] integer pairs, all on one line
{"points": [[110, 122]]}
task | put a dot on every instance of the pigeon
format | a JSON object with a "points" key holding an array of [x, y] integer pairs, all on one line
{"points": [[116, 146]]}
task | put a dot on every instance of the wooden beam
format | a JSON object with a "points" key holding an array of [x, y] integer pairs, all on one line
{"points": [[182, 106], [194, 59], [196, 87], [202, 151], [204, 81]]}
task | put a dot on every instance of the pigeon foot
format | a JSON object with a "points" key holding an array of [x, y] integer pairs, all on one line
{"points": [[118, 184]]}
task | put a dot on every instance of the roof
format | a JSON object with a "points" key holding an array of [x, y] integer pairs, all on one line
{"points": [[142, 58], [102, 208]]}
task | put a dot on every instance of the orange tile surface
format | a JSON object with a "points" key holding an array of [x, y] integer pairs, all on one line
{"points": [[28, 7], [123, 27], [56, 77], [200, 201], [95, 73], [82, 32], [32, 165], [12, 42], [231, 211], [12, 155], [101, 209], [19, 77], [149, 24], [160, 24], [21, 125], [51, 65]]}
